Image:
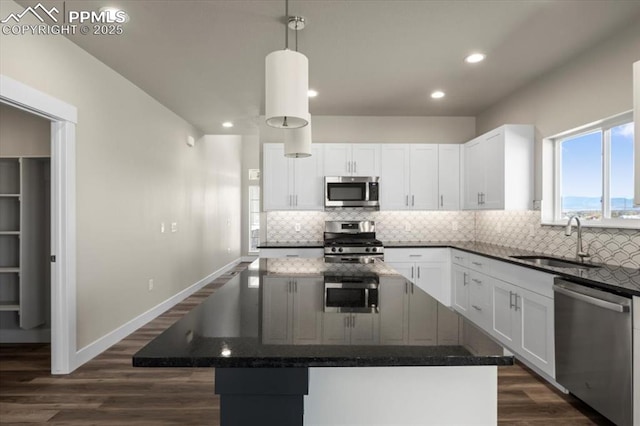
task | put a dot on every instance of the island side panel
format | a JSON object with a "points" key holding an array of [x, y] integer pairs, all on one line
{"points": [[402, 396], [253, 396]]}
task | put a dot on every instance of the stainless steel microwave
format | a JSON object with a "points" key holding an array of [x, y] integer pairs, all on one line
{"points": [[351, 191]]}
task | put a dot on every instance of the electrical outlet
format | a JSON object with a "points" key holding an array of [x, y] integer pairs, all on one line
{"points": [[162, 228], [297, 227], [174, 226], [454, 226], [150, 284]]}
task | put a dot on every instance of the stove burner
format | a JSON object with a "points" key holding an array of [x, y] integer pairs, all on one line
{"points": [[351, 242]]}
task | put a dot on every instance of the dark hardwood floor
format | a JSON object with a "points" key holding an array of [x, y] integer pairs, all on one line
{"points": [[109, 391]]}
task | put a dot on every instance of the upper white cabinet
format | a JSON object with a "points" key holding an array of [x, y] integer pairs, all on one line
{"points": [[409, 177], [342, 159], [292, 183], [498, 169], [449, 177]]}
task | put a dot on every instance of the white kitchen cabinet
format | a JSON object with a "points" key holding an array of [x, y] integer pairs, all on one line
{"points": [[409, 177], [292, 183], [350, 329], [280, 252], [448, 177], [523, 321], [292, 310], [407, 316], [428, 268], [498, 169], [460, 290], [480, 299], [343, 159]]}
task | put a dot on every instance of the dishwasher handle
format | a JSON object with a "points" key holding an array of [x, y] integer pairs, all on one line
{"points": [[590, 296]]}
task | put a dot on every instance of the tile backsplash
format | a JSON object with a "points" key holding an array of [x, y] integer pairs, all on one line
{"points": [[521, 229], [390, 225]]}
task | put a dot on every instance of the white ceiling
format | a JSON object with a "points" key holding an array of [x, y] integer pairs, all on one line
{"points": [[205, 59]]}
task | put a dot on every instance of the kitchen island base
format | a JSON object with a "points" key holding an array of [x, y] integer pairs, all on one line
{"points": [[443, 395]]}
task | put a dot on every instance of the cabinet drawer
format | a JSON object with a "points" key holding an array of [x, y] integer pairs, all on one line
{"points": [[416, 254], [480, 263], [292, 252], [460, 257]]}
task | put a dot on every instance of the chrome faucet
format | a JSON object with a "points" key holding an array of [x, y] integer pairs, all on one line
{"points": [[580, 254]]}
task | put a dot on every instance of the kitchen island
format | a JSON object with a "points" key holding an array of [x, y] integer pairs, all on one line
{"points": [[286, 354]]}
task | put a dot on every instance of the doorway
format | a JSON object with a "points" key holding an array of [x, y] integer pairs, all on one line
{"points": [[63, 119]]}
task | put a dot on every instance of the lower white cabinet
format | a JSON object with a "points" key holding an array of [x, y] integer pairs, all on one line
{"points": [[512, 303], [523, 321], [428, 268], [350, 329], [291, 252], [407, 316], [292, 310]]}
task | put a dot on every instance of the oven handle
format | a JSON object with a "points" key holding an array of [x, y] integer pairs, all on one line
{"points": [[612, 306]]}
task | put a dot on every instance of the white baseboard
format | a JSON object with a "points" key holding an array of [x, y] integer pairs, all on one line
{"points": [[25, 336], [249, 258], [105, 342]]}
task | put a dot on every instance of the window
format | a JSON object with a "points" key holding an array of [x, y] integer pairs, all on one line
{"points": [[594, 174], [254, 218]]}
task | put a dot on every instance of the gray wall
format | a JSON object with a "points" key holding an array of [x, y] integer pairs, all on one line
{"points": [[23, 134], [134, 171], [596, 84]]}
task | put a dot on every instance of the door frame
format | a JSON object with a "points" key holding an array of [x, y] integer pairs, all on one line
{"points": [[64, 118]]}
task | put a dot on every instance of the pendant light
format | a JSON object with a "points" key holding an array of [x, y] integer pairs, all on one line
{"points": [[287, 82], [297, 142]]}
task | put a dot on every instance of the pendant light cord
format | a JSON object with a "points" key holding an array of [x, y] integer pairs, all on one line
{"points": [[286, 24]]}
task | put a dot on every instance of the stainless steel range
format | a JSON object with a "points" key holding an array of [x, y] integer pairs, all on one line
{"points": [[351, 242]]}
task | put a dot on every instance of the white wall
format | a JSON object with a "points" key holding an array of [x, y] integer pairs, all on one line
{"points": [[595, 85], [23, 134], [134, 171], [353, 129]]}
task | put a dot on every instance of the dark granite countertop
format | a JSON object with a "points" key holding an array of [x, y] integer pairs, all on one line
{"points": [[608, 277], [250, 322], [293, 245]]}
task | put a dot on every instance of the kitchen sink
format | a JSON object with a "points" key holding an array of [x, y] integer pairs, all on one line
{"points": [[554, 262]]}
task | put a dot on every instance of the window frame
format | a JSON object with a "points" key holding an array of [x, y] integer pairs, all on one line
{"points": [[551, 174]]}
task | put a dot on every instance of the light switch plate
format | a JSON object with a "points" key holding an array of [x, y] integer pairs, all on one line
{"points": [[174, 226]]}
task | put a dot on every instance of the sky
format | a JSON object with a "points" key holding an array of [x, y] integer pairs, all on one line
{"points": [[582, 164]]}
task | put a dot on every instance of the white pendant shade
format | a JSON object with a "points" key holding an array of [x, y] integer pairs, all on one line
{"points": [[297, 142], [286, 85]]}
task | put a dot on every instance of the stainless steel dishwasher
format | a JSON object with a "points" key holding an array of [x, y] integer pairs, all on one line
{"points": [[593, 344]]}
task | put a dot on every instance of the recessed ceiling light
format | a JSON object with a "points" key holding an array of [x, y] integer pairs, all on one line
{"points": [[227, 124], [437, 94], [115, 15], [474, 58], [312, 93]]}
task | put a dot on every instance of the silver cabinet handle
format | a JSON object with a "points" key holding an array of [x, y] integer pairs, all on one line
{"points": [[478, 198], [477, 308], [406, 287], [293, 255], [418, 274], [441, 200], [411, 288], [296, 199], [511, 305], [464, 278], [477, 281], [415, 255], [413, 200], [346, 322], [355, 167], [412, 272], [459, 257], [406, 200], [353, 321], [517, 308], [477, 263]]}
